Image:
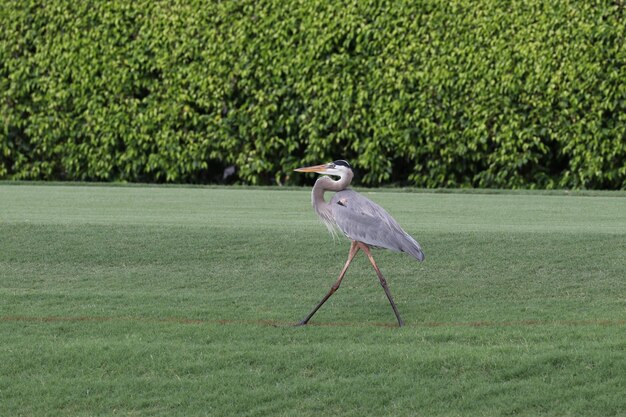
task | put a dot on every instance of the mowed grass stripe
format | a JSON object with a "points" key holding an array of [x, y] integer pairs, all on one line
{"points": [[258, 208], [52, 319], [178, 301], [232, 274]]}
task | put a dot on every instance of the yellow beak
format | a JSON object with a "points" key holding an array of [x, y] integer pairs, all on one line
{"points": [[314, 168]]}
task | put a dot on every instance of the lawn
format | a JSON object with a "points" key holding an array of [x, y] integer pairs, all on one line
{"points": [[179, 301]]}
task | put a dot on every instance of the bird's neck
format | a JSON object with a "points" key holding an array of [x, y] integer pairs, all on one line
{"points": [[328, 184]]}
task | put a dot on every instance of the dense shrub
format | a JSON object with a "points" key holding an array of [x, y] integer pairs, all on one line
{"points": [[488, 93]]}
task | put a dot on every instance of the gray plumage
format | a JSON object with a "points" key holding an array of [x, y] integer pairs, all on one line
{"points": [[358, 217], [362, 220]]}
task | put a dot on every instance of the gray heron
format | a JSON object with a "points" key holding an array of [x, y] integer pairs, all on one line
{"points": [[364, 222]]}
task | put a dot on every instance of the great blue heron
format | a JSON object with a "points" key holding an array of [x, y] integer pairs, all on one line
{"points": [[364, 222]]}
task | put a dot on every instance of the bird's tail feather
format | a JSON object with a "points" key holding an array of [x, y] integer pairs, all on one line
{"points": [[413, 248]]}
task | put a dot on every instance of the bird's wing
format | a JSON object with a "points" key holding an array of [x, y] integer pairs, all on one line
{"points": [[361, 219]]}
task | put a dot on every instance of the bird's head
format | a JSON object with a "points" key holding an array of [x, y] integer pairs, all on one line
{"points": [[337, 168]]}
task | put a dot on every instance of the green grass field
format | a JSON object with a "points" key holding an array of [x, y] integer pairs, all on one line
{"points": [[178, 301]]}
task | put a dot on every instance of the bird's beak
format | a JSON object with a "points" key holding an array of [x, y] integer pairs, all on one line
{"points": [[315, 168]]}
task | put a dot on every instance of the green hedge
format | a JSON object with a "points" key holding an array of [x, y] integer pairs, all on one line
{"points": [[487, 93]]}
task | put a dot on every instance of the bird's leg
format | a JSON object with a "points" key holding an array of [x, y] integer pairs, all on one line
{"points": [[383, 282], [354, 248]]}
